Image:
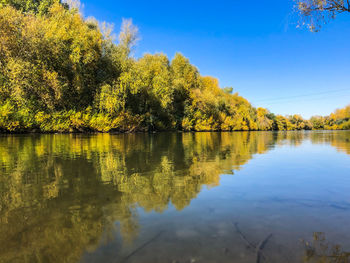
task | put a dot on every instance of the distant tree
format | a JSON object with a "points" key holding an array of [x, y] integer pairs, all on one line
{"points": [[129, 35], [263, 121], [299, 123], [317, 122], [314, 13], [228, 90], [283, 123]]}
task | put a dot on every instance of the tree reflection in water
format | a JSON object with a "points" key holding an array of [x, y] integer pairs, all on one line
{"points": [[60, 195]]}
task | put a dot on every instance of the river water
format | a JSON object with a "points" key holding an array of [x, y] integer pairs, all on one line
{"points": [[176, 197]]}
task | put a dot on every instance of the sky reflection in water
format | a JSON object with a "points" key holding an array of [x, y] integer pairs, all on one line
{"points": [[175, 197]]}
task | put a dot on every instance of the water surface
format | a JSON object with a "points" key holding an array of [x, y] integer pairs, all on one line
{"points": [[175, 197]]}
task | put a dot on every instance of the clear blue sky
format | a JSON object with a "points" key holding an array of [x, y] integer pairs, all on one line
{"points": [[253, 46]]}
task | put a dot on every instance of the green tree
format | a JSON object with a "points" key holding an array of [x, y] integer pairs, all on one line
{"points": [[52, 63], [317, 122], [228, 90], [264, 121], [40, 7], [185, 79]]}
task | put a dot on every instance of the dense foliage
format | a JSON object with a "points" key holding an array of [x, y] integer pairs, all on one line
{"points": [[339, 120], [60, 72]]}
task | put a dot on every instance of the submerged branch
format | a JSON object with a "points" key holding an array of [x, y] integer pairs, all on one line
{"points": [[259, 248], [142, 246]]}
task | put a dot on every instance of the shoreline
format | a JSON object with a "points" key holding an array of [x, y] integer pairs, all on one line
{"points": [[154, 132]]}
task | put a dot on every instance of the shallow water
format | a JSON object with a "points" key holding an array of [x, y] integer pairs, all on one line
{"points": [[175, 197]]}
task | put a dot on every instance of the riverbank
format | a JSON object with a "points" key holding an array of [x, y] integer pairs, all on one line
{"points": [[36, 131], [79, 80]]}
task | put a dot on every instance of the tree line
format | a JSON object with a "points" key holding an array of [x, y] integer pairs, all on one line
{"points": [[60, 72]]}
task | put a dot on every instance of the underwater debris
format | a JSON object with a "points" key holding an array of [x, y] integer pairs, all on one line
{"points": [[258, 248]]}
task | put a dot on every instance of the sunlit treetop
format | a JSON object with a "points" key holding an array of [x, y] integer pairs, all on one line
{"points": [[40, 7]]}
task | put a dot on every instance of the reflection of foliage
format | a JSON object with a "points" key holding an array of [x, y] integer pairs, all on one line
{"points": [[339, 140], [64, 191], [320, 251]]}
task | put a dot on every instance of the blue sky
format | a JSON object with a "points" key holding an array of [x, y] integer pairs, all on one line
{"points": [[253, 46]]}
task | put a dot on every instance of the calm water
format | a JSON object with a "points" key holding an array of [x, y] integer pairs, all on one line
{"points": [[172, 197]]}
